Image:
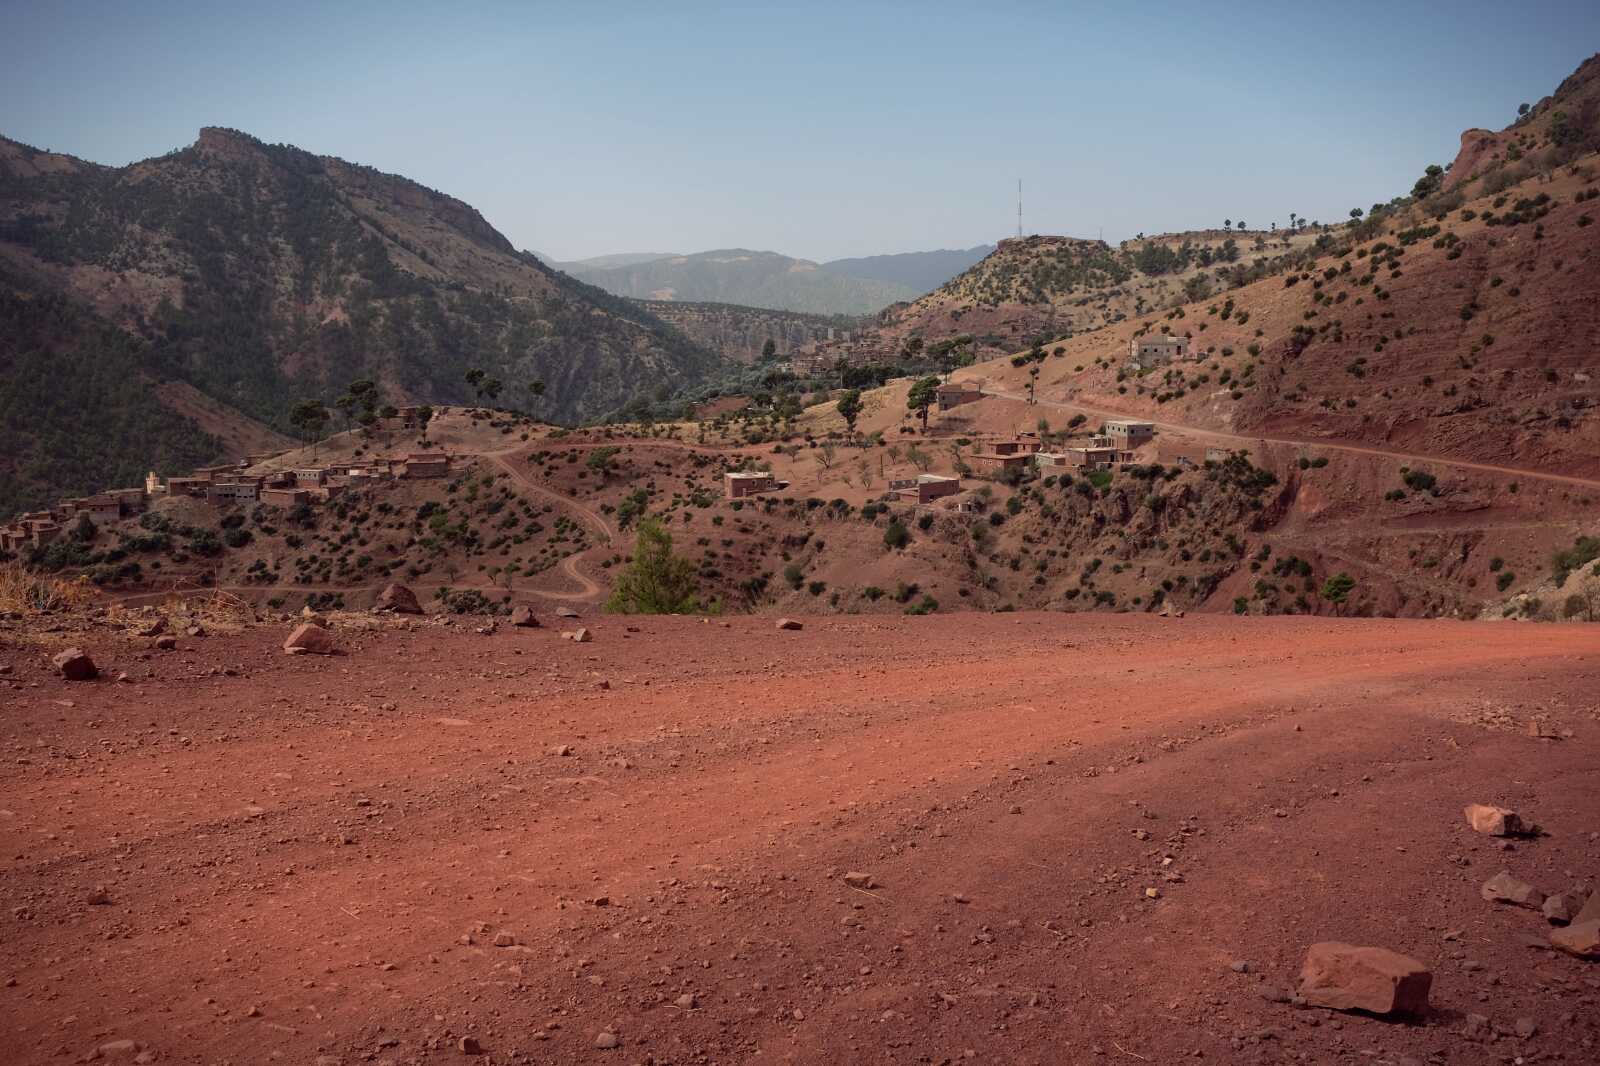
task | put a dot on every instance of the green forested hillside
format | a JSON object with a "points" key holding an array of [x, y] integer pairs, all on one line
{"points": [[262, 274], [76, 409]]}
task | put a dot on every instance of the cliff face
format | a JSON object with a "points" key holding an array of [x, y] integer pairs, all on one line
{"points": [[261, 273], [1558, 129]]}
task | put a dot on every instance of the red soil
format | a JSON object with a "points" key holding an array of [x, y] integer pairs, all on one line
{"points": [[309, 860]]}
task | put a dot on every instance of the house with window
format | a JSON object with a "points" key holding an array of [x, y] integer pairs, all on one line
{"points": [[925, 488], [738, 484]]}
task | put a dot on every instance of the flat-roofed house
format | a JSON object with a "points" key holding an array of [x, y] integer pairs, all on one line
{"points": [[740, 483], [1158, 350], [427, 464], [284, 496], [1127, 433], [235, 490], [188, 486], [100, 508], [925, 488], [955, 393]]}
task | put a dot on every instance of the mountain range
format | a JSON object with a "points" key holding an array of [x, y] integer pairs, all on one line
{"points": [[770, 280]]}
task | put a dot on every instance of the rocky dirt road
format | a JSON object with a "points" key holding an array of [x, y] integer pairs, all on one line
{"points": [[1089, 839]]}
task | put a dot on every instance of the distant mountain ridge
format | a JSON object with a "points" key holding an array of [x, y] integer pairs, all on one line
{"points": [[919, 271], [748, 278]]}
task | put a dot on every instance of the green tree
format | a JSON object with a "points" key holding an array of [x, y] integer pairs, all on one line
{"points": [[601, 460], [424, 416], [1336, 590], [769, 349], [1429, 183], [309, 417], [896, 536], [656, 581], [921, 397], [850, 408]]}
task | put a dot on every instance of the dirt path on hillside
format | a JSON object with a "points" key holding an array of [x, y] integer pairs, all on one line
{"points": [[1353, 449], [442, 835]]}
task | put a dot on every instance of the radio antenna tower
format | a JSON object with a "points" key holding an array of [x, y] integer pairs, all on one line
{"points": [[1019, 207]]}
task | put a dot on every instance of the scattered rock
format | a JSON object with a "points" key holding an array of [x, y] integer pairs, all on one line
{"points": [[468, 1045], [563, 750], [397, 599], [1590, 911], [1377, 980], [1556, 911], [97, 896], [307, 614], [167, 643], [1503, 888], [688, 1001], [566, 612], [789, 623], [580, 635], [155, 628], [310, 639], [1493, 821], [522, 618], [1241, 966], [1526, 1027], [504, 939], [74, 664], [607, 1040], [856, 879], [1152, 893]]}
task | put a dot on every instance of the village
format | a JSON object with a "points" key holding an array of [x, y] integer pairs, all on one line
{"points": [[224, 485]]}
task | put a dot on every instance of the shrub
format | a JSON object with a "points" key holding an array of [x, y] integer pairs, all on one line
{"points": [[896, 535], [1504, 581]]}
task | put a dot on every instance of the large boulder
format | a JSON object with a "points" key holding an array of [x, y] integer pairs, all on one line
{"points": [[309, 639], [1493, 821], [523, 618], [789, 623], [74, 664], [397, 599], [1580, 938], [1377, 980]]}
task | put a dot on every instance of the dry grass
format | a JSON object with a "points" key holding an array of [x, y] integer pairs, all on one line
{"points": [[26, 593]]}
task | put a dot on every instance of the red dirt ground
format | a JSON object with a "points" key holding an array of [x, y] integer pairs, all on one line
{"points": [[309, 860]]}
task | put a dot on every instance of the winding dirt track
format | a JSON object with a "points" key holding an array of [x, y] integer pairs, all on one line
{"points": [[312, 860], [1222, 436]]}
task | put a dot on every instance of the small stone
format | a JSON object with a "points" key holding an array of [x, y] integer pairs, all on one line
{"points": [[1152, 893], [468, 1045], [522, 618], [1240, 966], [74, 664], [789, 623], [562, 750], [566, 612], [607, 1040], [687, 1001], [1526, 1027], [1556, 911], [1503, 888], [1493, 821], [856, 879], [97, 896], [253, 1012], [117, 1049], [1351, 977], [579, 636], [504, 939], [167, 643]]}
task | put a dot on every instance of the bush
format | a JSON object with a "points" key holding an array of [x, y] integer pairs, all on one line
{"points": [[926, 605], [896, 535], [1504, 581]]}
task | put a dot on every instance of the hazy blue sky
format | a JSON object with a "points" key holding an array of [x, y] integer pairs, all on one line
{"points": [[819, 130]]}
